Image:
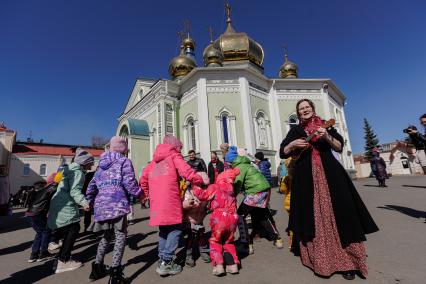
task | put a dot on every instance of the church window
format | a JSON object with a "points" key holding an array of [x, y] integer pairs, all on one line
{"points": [[169, 118], [191, 134], [26, 171], [225, 126], [293, 120], [43, 170]]}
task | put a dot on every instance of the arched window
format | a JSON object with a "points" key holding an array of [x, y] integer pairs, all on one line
{"points": [[26, 171], [262, 129], [191, 135], [293, 120], [124, 131], [224, 119], [43, 170]]}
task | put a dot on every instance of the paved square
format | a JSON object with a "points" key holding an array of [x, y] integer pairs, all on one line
{"points": [[396, 254]]}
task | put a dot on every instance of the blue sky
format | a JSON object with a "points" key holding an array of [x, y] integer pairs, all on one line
{"points": [[67, 67]]}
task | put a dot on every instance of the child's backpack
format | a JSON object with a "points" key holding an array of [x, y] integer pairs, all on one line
{"points": [[40, 199]]}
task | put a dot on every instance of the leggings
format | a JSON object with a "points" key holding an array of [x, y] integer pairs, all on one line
{"points": [[117, 254]]}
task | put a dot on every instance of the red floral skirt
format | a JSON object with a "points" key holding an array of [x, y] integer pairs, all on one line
{"points": [[325, 254]]}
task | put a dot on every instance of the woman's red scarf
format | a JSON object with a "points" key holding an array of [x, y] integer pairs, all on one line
{"points": [[311, 125]]}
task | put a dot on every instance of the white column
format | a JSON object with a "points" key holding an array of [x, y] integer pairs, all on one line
{"points": [[203, 120], [256, 133], [247, 116], [218, 131], [196, 147], [233, 130], [185, 139], [151, 144], [269, 137], [277, 135], [325, 104]]}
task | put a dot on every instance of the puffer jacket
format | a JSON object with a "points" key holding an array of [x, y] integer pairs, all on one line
{"points": [[265, 169], [111, 187], [250, 180], [160, 181], [63, 209]]}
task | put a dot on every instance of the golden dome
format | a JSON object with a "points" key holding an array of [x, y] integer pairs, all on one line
{"points": [[188, 43], [181, 65], [212, 57], [238, 46], [289, 69]]}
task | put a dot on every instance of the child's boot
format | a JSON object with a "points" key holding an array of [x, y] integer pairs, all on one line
{"points": [[218, 270], [233, 269], [190, 261], [251, 249], [205, 256], [279, 243], [98, 271], [117, 276]]}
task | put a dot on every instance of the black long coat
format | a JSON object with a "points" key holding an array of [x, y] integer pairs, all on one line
{"points": [[352, 217]]}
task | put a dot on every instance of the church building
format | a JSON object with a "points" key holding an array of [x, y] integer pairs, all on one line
{"points": [[227, 100]]}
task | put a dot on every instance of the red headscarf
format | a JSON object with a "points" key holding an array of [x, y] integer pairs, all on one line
{"points": [[311, 124]]}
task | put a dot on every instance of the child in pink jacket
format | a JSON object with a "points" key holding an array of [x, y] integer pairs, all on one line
{"points": [[223, 221], [160, 181]]}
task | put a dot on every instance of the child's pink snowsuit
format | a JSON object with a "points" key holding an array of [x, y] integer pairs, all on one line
{"points": [[223, 220]]}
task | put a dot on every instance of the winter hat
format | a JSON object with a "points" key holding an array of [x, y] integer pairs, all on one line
{"points": [[173, 141], [118, 144], [259, 156], [242, 152], [51, 179], [232, 154], [228, 176], [83, 157]]}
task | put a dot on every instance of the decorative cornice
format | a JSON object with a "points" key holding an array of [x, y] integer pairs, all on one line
{"points": [[259, 94], [231, 88], [189, 95], [299, 96]]}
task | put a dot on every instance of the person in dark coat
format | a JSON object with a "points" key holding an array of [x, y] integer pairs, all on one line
{"points": [[264, 166], [378, 167], [197, 164], [326, 213], [215, 167]]}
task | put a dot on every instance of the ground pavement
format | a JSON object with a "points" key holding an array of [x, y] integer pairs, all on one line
{"points": [[396, 254]]}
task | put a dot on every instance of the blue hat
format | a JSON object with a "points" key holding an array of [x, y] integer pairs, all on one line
{"points": [[232, 154]]}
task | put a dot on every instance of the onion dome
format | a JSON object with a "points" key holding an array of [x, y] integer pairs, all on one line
{"points": [[289, 69], [237, 46], [181, 65], [188, 43], [212, 56]]}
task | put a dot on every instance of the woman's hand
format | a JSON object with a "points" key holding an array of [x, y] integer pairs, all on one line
{"points": [[299, 143], [322, 132]]}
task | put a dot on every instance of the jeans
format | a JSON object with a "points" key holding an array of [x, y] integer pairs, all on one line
{"points": [[169, 237], [42, 237], [70, 233]]}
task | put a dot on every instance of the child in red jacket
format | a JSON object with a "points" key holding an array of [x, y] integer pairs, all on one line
{"points": [[223, 220]]}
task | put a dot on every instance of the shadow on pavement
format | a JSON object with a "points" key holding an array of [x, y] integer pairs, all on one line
{"points": [[372, 185], [405, 210], [417, 186], [15, 249], [16, 222], [135, 239], [37, 273], [150, 257]]}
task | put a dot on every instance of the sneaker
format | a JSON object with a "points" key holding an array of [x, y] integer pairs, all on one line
{"points": [[68, 266], [54, 246], [190, 261], [98, 271], [279, 243], [33, 257], [168, 268], [251, 249], [233, 269], [218, 270], [205, 256], [44, 255]]}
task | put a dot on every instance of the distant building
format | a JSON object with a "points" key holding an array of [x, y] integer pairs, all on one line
{"points": [[7, 139], [32, 162], [402, 164]]}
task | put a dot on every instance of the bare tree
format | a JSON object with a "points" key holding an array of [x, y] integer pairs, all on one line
{"points": [[99, 141]]}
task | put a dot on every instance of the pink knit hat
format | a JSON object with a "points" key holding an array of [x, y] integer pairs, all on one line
{"points": [[118, 144], [173, 141]]}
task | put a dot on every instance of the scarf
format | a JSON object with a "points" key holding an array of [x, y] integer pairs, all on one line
{"points": [[311, 125]]}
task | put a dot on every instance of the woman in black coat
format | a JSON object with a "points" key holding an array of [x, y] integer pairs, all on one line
{"points": [[215, 167], [326, 213]]}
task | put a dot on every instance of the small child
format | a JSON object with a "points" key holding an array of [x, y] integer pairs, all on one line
{"points": [[223, 221]]}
